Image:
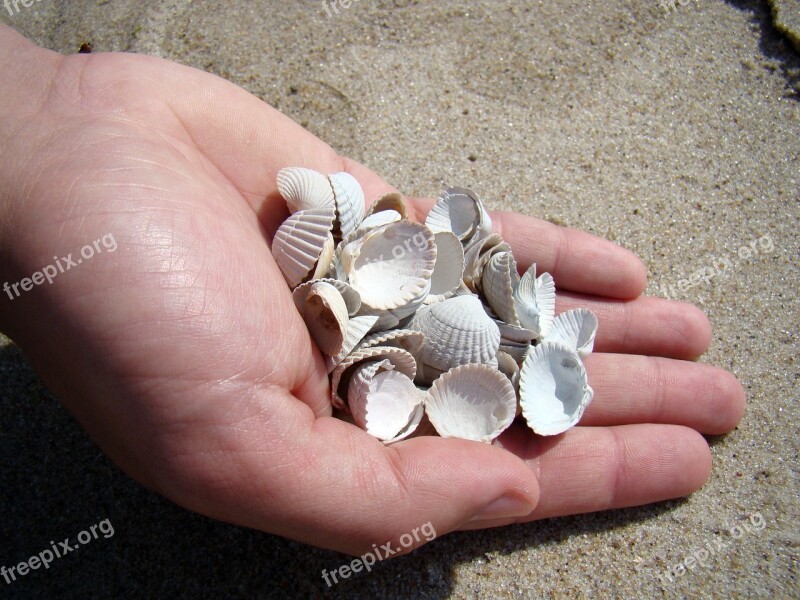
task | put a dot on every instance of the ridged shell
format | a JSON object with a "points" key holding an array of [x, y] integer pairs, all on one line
{"points": [[553, 388], [576, 329], [393, 201], [473, 402], [392, 265], [384, 402], [459, 211], [326, 316], [477, 254], [351, 297], [304, 189], [300, 242], [403, 362], [535, 301], [499, 280], [509, 367], [449, 267], [357, 329], [407, 339], [457, 332], [349, 199]]}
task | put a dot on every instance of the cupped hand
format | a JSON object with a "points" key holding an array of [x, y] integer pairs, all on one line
{"points": [[182, 354]]}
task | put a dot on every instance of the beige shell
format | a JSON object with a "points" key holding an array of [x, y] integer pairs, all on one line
{"points": [[384, 402], [499, 280], [473, 402], [576, 329], [393, 201], [535, 301], [357, 329], [457, 332], [459, 211], [553, 388], [351, 297], [326, 316], [509, 367], [390, 266], [477, 255], [349, 199], [403, 362], [407, 339], [301, 241], [304, 189], [449, 268]]}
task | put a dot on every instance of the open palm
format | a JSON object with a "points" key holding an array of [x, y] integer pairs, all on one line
{"points": [[182, 353]]}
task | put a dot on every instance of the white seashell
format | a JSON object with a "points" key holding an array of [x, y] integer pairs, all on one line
{"points": [[553, 388], [456, 211], [325, 315], [325, 259], [449, 267], [349, 201], [351, 297], [393, 201], [457, 332], [535, 300], [509, 367], [407, 339], [499, 280], [473, 402], [384, 402], [301, 241], [477, 254], [304, 189], [357, 329], [576, 329], [519, 352], [391, 266], [403, 362]]}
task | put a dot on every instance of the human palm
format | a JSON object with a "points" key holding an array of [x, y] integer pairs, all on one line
{"points": [[183, 355]]}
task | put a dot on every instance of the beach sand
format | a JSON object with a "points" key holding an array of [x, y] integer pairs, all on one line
{"points": [[675, 133]]}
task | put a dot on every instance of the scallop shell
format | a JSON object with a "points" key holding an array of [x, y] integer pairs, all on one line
{"points": [[351, 297], [407, 339], [304, 189], [477, 255], [553, 388], [473, 402], [499, 280], [576, 329], [392, 265], [325, 315], [449, 267], [457, 332], [357, 329], [349, 201], [393, 201], [535, 301], [301, 241], [401, 360], [384, 402], [460, 211]]}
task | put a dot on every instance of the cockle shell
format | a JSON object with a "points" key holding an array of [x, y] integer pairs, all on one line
{"points": [[449, 268], [457, 332], [402, 361], [499, 280], [407, 339], [326, 315], [349, 199], [473, 402], [390, 266], [351, 297], [477, 255], [535, 301], [553, 388], [357, 329], [384, 402], [304, 189], [509, 367], [576, 329], [393, 201], [459, 211], [301, 241]]}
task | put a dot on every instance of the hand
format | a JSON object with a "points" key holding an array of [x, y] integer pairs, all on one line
{"points": [[182, 354]]}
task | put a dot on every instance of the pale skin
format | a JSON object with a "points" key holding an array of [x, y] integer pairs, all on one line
{"points": [[183, 356]]}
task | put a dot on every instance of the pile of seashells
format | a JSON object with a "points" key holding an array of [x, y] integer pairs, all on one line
{"points": [[428, 320]]}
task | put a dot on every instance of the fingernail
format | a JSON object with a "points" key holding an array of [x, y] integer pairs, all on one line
{"points": [[505, 507]]}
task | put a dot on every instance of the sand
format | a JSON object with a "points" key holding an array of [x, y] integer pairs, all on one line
{"points": [[676, 134]]}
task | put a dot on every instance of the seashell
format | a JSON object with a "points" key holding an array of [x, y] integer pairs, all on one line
{"points": [[499, 280], [459, 211], [326, 315], [473, 402], [553, 388], [517, 351], [401, 360], [384, 402], [325, 259], [301, 241], [390, 266], [349, 202], [576, 329], [357, 329], [477, 255], [407, 339], [351, 297], [535, 300], [511, 333], [393, 201], [449, 267], [509, 367], [304, 189], [457, 332]]}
